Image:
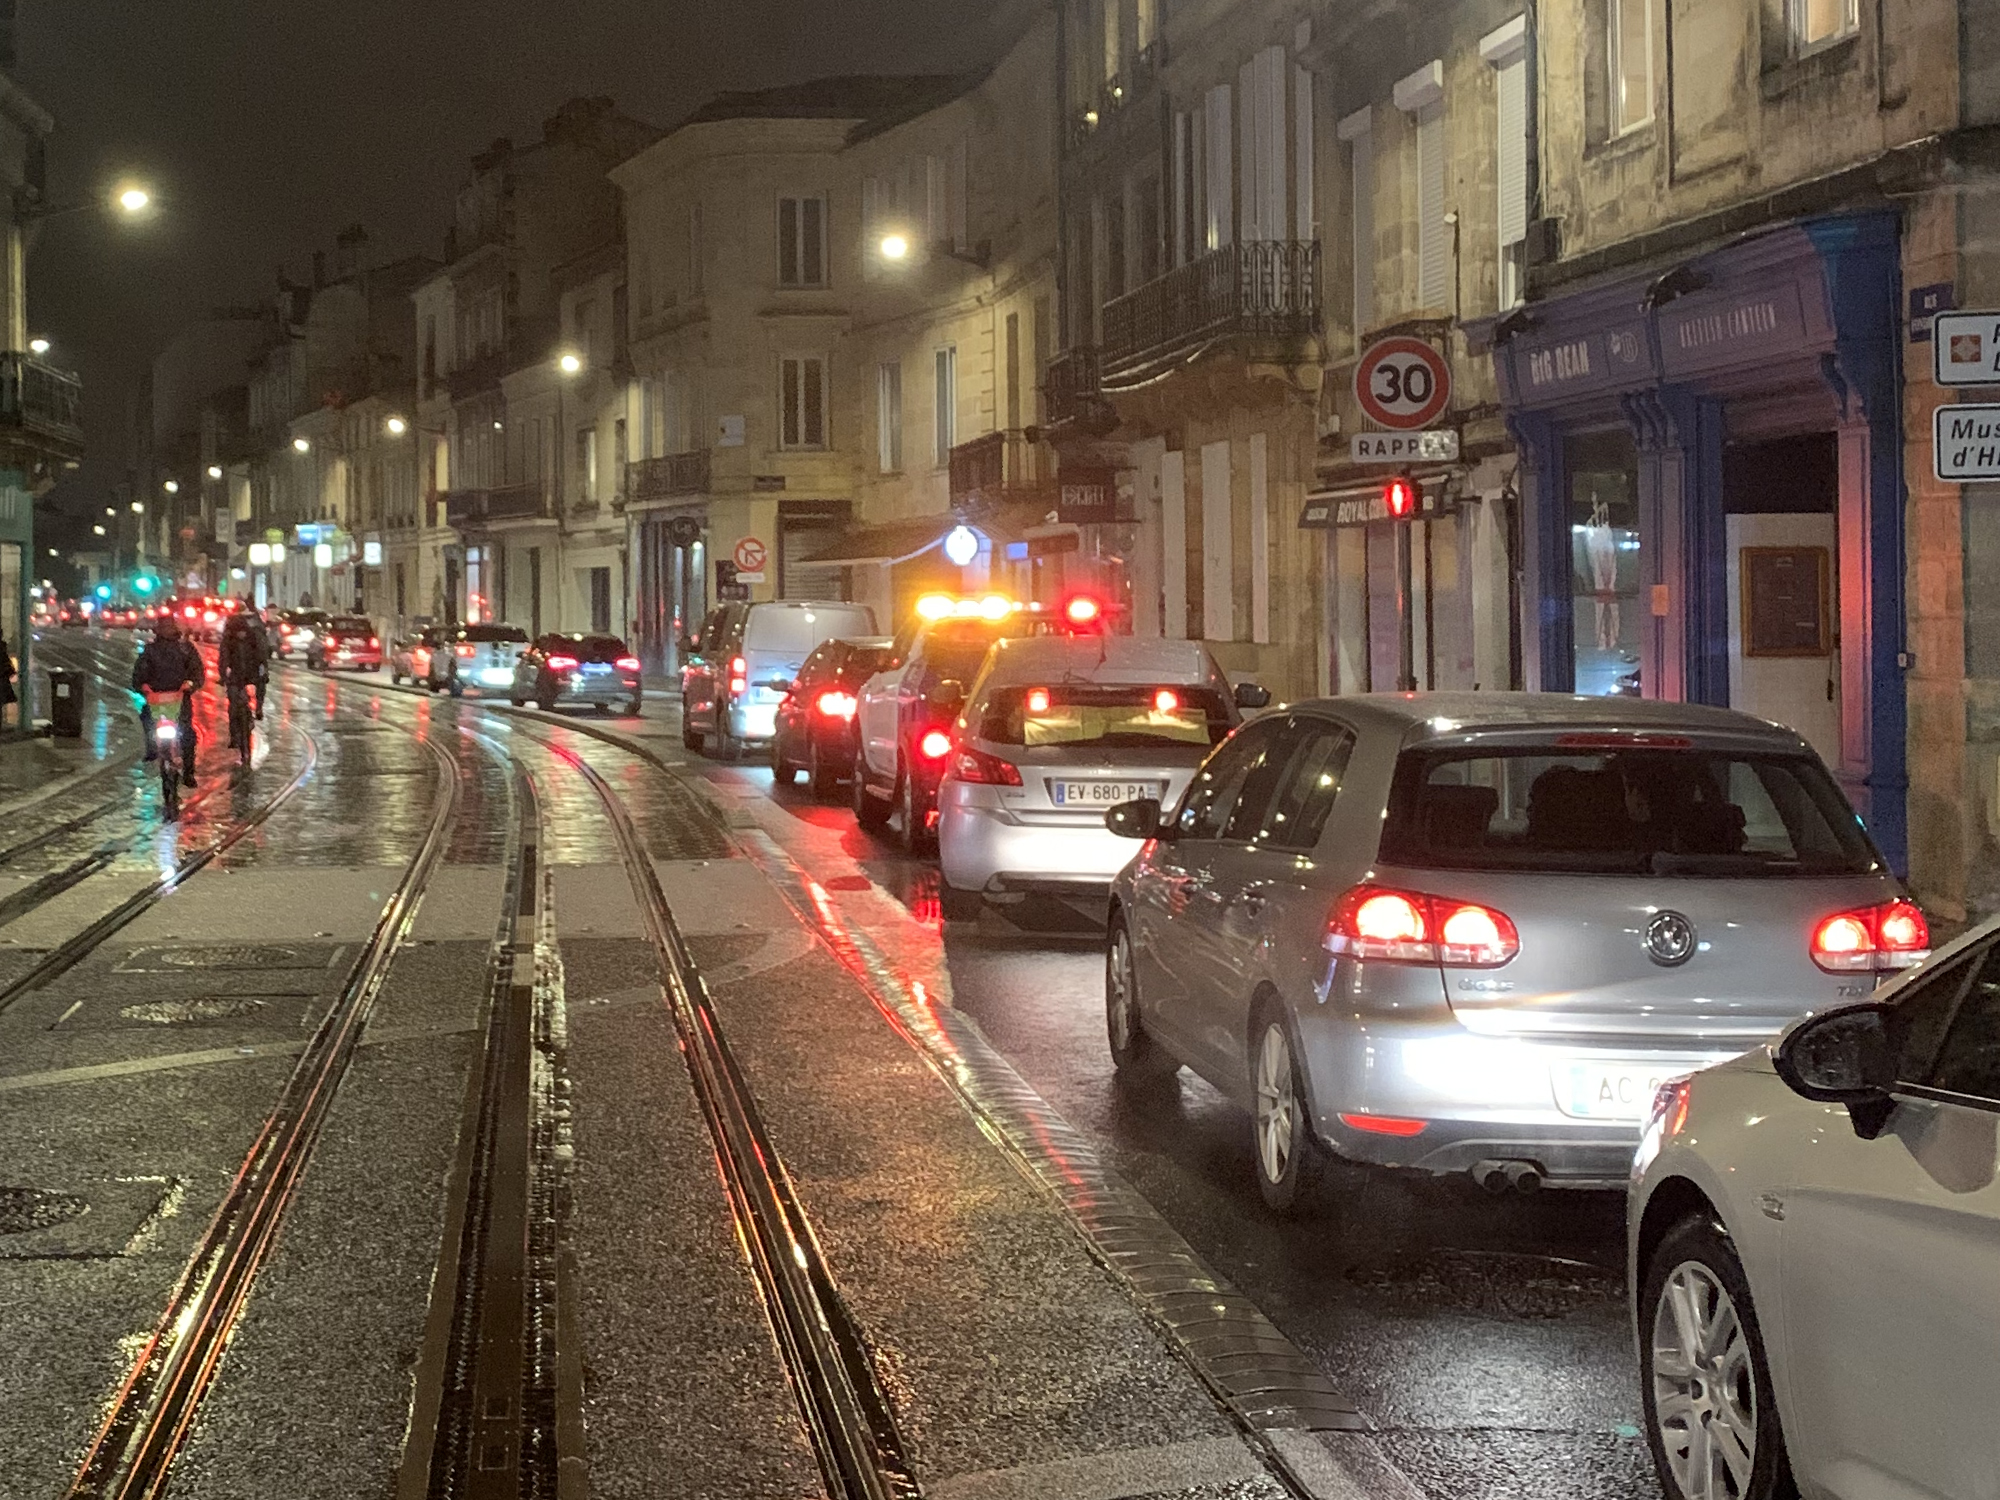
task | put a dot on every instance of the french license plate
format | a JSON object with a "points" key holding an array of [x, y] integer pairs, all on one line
{"points": [[595, 669], [1100, 793], [1612, 1090]]}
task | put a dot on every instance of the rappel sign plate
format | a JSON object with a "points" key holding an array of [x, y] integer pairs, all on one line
{"points": [[1402, 383]]}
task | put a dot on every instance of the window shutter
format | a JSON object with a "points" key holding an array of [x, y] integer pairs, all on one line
{"points": [[1433, 244], [956, 199], [1355, 130], [1220, 226], [1305, 211], [1511, 84], [1251, 224], [788, 242], [814, 402], [1271, 143]]}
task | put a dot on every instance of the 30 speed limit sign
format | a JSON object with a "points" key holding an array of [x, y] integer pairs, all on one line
{"points": [[1402, 383]]}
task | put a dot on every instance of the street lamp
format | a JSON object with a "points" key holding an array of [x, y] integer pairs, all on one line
{"points": [[138, 507], [300, 445], [98, 530], [570, 363], [38, 347], [397, 426], [895, 246], [172, 486], [134, 199], [109, 511], [215, 471]]}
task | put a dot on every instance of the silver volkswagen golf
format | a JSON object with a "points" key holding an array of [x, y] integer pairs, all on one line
{"points": [[1472, 932]]}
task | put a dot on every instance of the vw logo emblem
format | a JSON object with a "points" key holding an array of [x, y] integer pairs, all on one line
{"points": [[1669, 939]]}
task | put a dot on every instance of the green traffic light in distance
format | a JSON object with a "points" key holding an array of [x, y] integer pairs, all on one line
{"points": [[143, 584], [104, 591]]}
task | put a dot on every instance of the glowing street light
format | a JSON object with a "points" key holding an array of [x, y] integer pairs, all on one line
{"points": [[300, 445], [134, 199], [215, 471], [98, 530], [109, 511], [38, 346], [397, 426], [138, 507], [895, 246], [172, 486], [570, 363]]}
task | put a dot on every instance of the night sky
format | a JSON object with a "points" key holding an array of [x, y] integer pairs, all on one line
{"points": [[268, 125]]}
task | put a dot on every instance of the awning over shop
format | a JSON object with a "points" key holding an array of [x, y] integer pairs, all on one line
{"points": [[888, 542]]}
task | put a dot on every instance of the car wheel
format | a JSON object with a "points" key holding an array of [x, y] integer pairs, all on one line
{"points": [[1139, 1059], [632, 710], [546, 702], [870, 811], [727, 746], [958, 905], [1710, 1414], [915, 838], [782, 771], [824, 780], [457, 688], [1288, 1155]]}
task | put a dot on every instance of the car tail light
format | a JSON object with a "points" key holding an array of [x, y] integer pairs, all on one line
{"points": [[374, 643], [934, 745], [1166, 701], [981, 769], [1893, 935], [739, 675], [562, 663], [628, 664], [1375, 922], [837, 705], [1038, 700], [463, 649], [1082, 610], [1384, 1124]]}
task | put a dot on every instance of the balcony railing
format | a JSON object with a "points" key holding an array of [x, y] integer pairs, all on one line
{"points": [[515, 502], [1070, 389], [480, 373], [668, 475], [999, 469], [41, 401], [1261, 288]]}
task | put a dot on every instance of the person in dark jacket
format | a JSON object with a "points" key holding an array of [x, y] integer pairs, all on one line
{"points": [[243, 657], [6, 680], [169, 664]]}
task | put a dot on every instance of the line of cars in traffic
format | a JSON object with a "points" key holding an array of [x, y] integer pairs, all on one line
{"points": [[1534, 940], [494, 659]]}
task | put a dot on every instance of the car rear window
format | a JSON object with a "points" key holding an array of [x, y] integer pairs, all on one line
{"points": [[1687, 812], [1112, 716], [352, 625], [494, 633], [792, 628], [598, 648]]}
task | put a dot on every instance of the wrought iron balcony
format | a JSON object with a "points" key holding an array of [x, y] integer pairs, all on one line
{"points": [[474, 508], [668, 475], [482, 372], [1267, 289], [1070, 389], [1001, 468], [41, 407]]}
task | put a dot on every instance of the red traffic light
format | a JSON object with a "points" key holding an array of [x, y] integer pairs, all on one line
{"points": [[1401, 496]]}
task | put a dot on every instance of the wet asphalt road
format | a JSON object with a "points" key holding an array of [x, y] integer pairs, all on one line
{"points": [[1485, 1339]]}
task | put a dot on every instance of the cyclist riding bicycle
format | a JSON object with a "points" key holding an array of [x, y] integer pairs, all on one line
{"points": [[244, 656], [170, 666]]}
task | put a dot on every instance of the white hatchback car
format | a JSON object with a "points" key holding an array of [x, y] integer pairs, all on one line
{"points": [[1058, 729], [1815, 1252]]}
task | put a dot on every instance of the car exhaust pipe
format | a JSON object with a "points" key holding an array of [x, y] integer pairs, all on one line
{"points": [[1499, 1177]]}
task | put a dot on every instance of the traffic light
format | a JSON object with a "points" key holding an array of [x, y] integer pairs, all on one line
{"points": [[104, 591], [1402, 496], [142, 584]]}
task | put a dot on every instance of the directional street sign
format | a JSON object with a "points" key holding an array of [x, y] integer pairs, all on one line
{"points": [[1965, 348], [1437, 445], [1965, 443]]}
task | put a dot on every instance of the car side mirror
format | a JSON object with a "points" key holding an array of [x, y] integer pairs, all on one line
{"points": [[1843, 1057], [1135, 820], [1252, 695], [948, 697]]}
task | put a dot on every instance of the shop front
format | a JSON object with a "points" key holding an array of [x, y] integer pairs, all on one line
{"points": [[1712, 486]]}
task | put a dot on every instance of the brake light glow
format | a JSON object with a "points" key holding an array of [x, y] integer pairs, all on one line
{"points": [[1391, 926], [628, 663], [1166, 701], [1083, 610], [1038, 700], [837, 705], [1384, 1124], [739, 675], [981, 769], [374, 643], [562, 663], [935, 744], [1893, 935], [463, 648]]}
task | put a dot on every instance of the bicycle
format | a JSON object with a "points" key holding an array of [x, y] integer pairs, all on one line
{"points": [[240, 720], [168, 746]]}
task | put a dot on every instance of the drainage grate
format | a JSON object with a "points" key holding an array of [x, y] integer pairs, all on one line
{"points": [[202, 1008], [1494, 1283], [23, 1210]]}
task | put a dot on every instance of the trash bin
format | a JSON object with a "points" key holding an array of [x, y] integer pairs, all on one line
{"points": [[66, 704]]}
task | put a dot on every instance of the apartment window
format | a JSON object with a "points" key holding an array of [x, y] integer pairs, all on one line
{"points": [[1013, 372], [1146, 230], [946, 406], [1505, 51], [1113, 50], [621, 453], [1628, 52], [583, 322], [1146, 26], [945, 199], [1360, 138], [802, 242], [1219, 227], [1261, 83], [1421, 97], [889, 416], [802, 403], [586, 464], [1305, 209], [1816, 23]]}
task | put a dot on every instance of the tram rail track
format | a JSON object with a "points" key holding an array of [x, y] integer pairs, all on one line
{"points": [[842, 1402], [150, 1415]]}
